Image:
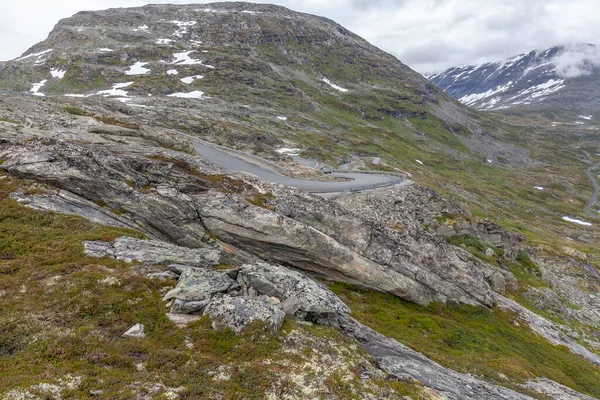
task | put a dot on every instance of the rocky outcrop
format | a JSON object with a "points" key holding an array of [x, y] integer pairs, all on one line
{"points": [[196, 287], [169, 140], [299, 295], [180, 199], [237, 312], [554, 390], [417, 207], [152, 252]]}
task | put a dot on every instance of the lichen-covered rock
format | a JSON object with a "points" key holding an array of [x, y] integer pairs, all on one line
{"points": [[152, 252], [196, 287], [284, 283], [546, 299], [414, 206], [237, 312]]}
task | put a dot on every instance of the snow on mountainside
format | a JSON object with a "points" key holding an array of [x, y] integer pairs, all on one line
{"points": [[564, 76]]}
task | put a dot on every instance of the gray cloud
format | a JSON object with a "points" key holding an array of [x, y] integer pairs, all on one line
{"points": [[427, 35]]}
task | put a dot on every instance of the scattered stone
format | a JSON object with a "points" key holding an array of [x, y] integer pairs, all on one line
{"points": [[182, 320], [96, 392], [162, 276], [290, 305], [136, 331], [237, 312], [489, 252]]}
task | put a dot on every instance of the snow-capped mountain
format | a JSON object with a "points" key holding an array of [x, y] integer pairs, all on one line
{"points": [[562, 76]]}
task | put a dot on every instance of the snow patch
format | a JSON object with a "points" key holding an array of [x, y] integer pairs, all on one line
{"points": [[105, 50], [577, 221], [588, 117], [419, 161], [183, 27], [57, 73], [288, 151], [164, 41], [542, 90], [172, 72], [580, 123], [35, 88], [475, 97], [196, 42], [138, 69], [190, 79], [282, 118], [336, 87], [539, 187], [185, 59], [78, 95], [251, 12], [142, 28], [196, 94], [116, 90], [41, 53]]}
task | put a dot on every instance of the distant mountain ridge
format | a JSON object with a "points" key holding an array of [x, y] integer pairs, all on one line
{"points": [[566, 76]]}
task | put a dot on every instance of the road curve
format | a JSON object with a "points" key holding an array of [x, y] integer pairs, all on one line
{"points": [[594, 198], [230, 162]]}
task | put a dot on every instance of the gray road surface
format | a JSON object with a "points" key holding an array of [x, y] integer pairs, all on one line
{"points": [[232, 163]]}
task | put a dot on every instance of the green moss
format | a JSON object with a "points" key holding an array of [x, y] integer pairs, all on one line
{"points": [[106, 119], [470, 339], [262, 200], [76, 111]]}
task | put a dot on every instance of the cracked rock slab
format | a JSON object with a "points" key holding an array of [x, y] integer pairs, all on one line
{"points": [[152, 252]]}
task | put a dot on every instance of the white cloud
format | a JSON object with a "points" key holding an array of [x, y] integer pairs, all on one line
{"points": [[577, 60], [427, 35]]}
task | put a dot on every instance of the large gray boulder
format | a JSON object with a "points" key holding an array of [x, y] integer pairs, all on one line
{"points": [[152, 252], [291, 287], [237, 312], [196, 287]]}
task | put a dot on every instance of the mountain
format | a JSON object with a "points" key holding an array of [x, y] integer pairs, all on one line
{"points": [[564, 77], [153, 243], [255, 76]]}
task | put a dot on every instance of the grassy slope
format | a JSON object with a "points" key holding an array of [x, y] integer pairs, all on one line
{"points": [[492, 345], [63, 315]]}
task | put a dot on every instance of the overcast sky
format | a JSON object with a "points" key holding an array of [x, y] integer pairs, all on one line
{"points": [[428, 35]]}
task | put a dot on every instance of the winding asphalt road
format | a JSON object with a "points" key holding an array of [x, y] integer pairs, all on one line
{"points": [[356, 182], [588, 207]]}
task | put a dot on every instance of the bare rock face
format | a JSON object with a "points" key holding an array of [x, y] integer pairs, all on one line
{"points": [[293, 289], [178, 198], [237, 312], [417, 207], [152, 252]]}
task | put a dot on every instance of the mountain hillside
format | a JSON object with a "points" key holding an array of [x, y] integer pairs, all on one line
{"points": [[255, 76], [566, 77]]}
